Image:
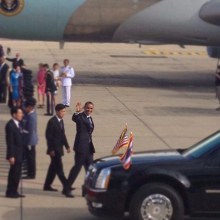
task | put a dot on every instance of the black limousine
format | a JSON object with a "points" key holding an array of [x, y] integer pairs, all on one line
{"points": [[160, 185]]}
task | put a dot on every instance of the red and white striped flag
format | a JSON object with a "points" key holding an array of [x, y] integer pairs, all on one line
{"points": [[122, 141], [126, 157]]}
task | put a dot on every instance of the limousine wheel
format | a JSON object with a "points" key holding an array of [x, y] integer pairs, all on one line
{"points": [[156, 201]]}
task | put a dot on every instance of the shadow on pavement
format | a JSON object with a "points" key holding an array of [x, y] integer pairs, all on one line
{"points": [[147, 80], [56, 213], [52, 214]]}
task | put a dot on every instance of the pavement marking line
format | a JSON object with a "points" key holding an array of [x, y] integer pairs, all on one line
{"points": [[174, 53], [136, 116]]}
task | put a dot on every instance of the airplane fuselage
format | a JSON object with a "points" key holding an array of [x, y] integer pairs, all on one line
{"points": [[142, 21]]}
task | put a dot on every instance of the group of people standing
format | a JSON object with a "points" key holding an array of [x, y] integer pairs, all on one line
{"points": [[15, 82], [17, 89], [20, 139], [48, 82], [21, 130]]}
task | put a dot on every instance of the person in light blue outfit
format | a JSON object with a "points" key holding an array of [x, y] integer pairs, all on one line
{"points": [[16, 85], [30, 136]]}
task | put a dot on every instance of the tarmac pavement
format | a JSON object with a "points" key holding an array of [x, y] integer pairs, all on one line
{"points": [[168, 101]]}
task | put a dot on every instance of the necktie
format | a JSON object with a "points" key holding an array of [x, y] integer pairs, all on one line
{"points": [[20, 127], [61, 124], [90, 122]]}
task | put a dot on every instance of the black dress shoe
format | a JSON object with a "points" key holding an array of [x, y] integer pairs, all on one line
{"points": [[49, 188], [21, 195], [69, 195], [67, 106], [12, 195]]}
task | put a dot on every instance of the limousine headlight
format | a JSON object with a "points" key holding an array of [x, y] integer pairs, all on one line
{"points": [[103, 179]]}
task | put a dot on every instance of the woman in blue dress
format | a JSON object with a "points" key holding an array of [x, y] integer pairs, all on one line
{"points": [[15, 85]]}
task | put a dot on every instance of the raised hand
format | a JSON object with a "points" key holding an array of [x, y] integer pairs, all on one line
{"points": [[78, 107]]}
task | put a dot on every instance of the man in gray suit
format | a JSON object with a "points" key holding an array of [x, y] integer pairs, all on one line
{"points": [[30, 137]]}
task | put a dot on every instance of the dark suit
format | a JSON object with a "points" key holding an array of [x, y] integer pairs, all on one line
{"points": [[16, 61], [14, 141], [50, 88], [56, 139], [83, 145], [3, 82]]}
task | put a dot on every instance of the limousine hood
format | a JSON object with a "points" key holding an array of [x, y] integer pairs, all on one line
{"points": [[147, 157]]}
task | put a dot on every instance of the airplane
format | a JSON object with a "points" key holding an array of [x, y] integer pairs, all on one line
{"points": [[183, 22]]}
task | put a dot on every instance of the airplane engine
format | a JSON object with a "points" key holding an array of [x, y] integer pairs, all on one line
{"points": [[210, 12], [213, 52]]}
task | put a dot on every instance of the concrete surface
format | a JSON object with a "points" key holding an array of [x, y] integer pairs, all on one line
{"points": [[167, 99]]}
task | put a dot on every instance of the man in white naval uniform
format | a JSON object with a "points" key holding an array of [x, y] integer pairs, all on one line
{"points": [[67, 73]]}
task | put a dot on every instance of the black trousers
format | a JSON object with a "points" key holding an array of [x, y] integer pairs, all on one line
{"points": [[10, 103], [55, 168], [14, 176], [81, 159], [50, 103], [3, 92], [30, 157]]}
